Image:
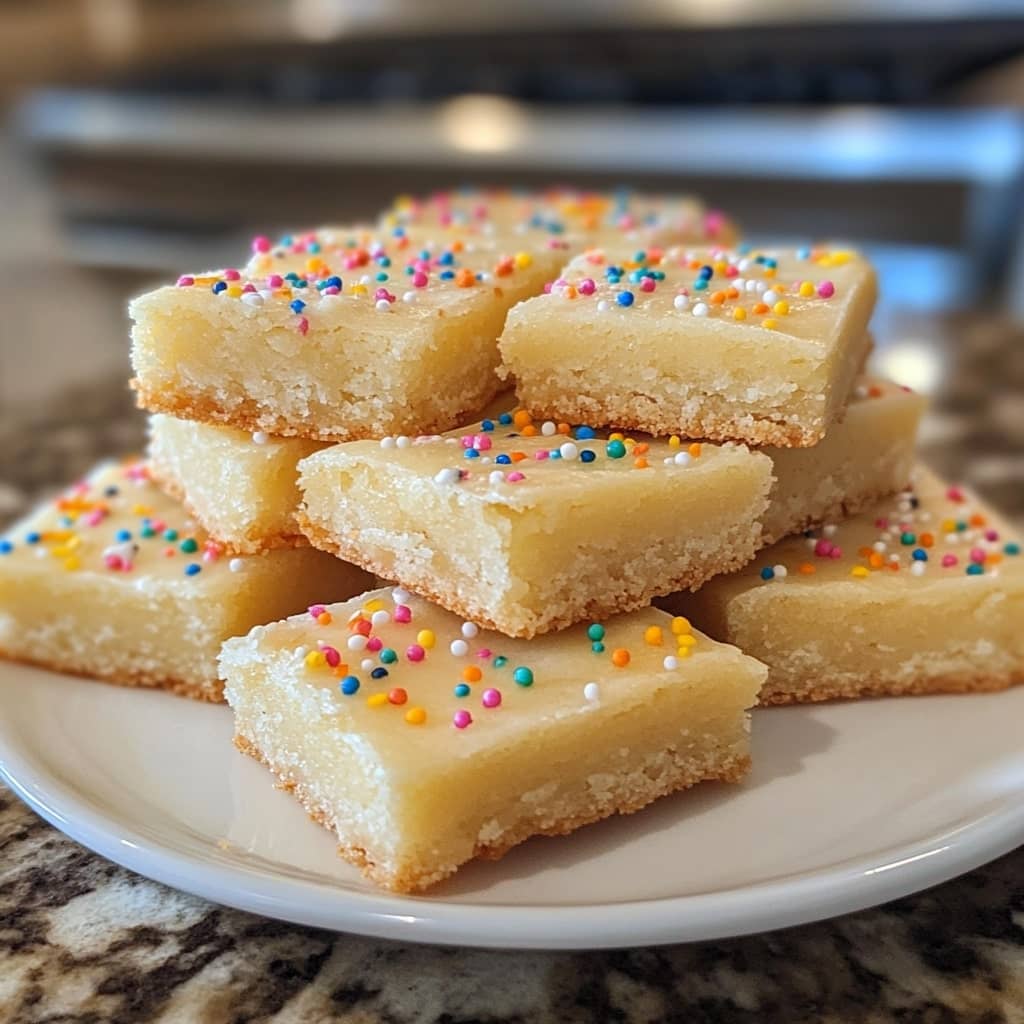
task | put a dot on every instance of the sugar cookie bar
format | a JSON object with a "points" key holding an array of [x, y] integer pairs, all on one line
{"points": [[242, 488], [400, 339], [527, 527], [748, 345], [922, 594], [112, 580], [423, 742], [864, 457]]}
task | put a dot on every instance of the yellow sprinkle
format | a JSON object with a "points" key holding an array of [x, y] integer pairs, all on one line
{"points": [[681, 625], [315, 659], [949, 526], [142, 510], [769, 323], [674, 441], [686, 641], [616, 437], [859, 571], [72, 562], [837, 258], [781, 308], [376, 700], [739, 313], [373, 606], [806, 289], [652, 636], [358, 289], [425, 638], [415, 716], [684, 652], [523, 260], [234, 290]]}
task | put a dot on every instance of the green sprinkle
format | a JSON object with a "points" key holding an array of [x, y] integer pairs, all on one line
{"points": [[523, 676]]}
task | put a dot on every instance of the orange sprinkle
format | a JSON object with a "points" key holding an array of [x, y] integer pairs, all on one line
{"points": [[564, 428], [465, 277], [640, 463], [529, 430], [761, 308], [521, 418], [620, 657], [977, 519], [874, 391], [717, 298], [517, 456], [807, 569], [641, 448], [732, 292], [472, 674], [926, 540], [325, 618], [875, 560]]}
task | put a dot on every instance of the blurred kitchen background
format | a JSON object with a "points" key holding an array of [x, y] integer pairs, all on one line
{"points": [[140, 138]]}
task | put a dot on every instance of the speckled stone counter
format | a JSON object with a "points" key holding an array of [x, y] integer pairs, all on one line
{"points": [[84, 942]]}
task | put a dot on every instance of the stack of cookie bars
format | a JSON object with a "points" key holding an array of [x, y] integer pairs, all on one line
{"points": [[596, 447]]}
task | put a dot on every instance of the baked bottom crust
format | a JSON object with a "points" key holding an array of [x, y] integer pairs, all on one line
{"points": [[812, 690], [660, 776], [211, 691]]}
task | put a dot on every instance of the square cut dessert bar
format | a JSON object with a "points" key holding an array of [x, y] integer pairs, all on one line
{"points": [[113, 580], [422, 741], [400, 338], [922, 594], [760, 346], [242, 488], [527, 528]]}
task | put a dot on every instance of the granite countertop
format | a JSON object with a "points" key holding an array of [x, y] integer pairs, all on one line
{"points": [[84, 942]]}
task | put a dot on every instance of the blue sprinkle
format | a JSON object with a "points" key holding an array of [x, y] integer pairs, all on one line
{"points": [[919, 555], [700, 284], [461, 690], [803, 254], [503, 460], [299, 283], [505, 419], [446, 259], [297, 305], [706, 271], [974, 569], [471, 453], [349, 685], [6, 547], [170, 534], [219, 287], [585, 433], [333, 282], [446, 275], [624, 298], [313, 247], [767, 573], [193, 569], [378, 673], [123, 535], [383, 261], [487, 426], [554, 454], [587, 455], [33, 537]]}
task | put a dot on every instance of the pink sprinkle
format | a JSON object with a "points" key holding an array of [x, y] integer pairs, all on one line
{"points": [[275, 281], [249, 288], [415, 653], [462, 719], [484, 652], [515, 477], [332, 656], [159, 525], [823, 549], [977, 555], [316, 610], [647, 284], [826, 289], [561, 282], [991, 535], [587, 286], [332, 290], [836, 552], [261, 244], [732, 270], [420, 280], [541, 455], [374, 644], [114, 562], [948, 561], [382, 293], [302, 325], [955, 494], [713, 222], [882, 523], [186, 280], [547, 287], [403, 613], [94, 518], [491, 698], [232, 275]]}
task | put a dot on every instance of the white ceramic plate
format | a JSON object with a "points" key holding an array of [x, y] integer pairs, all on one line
{"points": [[848, 806]]}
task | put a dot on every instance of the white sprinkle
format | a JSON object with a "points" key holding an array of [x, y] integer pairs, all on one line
{"points": [[952, 538], [547, 428], [671, 663], [400, 595], [236, 564], [750, 286], [682, 458], [744, 265], [568, 451], [266, 293], [367, 664], [301, 651], [470, 630], [860, 391], [446, 476], [382, 305], [387, 442], [403, 442], [880, 546], [357, 642], [380, 618], [668, 460], [459, 648], [496, 477], [829, 529], [252, 298], [780, 572], [409, 297], [602, 306], [918, 568], [592, 692], [260, 437], [365, 279], [771, 297], [701, 309], [681, 301]]}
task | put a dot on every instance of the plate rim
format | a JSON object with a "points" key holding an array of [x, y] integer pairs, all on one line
{"points": [[831, 891]]}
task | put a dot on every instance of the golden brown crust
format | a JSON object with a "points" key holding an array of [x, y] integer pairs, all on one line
{"points": [[348, 549], [961, 682], [250, 546], [206, 692], [730, 768], [251, 416]]}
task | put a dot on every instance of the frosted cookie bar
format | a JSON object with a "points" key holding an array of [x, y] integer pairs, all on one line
{"points": [[422, 741], [743, 344], [864, 457], [242, 487], [403, 341], [528, 527], [113, 580], [922, 594]]}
